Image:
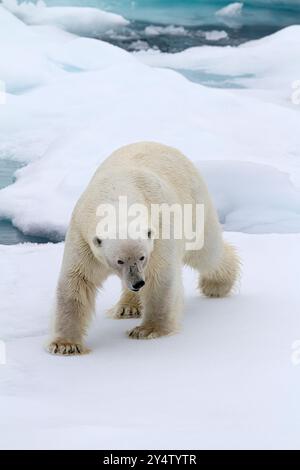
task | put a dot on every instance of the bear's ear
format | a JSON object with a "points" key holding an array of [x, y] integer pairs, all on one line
{"points": [[97, 241]]}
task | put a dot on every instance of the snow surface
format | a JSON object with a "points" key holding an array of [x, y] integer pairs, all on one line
{"points": [[226, 381], [267, 67], [83, 21]]}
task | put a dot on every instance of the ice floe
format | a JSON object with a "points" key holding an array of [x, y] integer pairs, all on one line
{"points": [[84, 21]]}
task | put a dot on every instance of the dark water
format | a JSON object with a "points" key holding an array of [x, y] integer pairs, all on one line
{"points": [[256, 19], [134, 37], [10, 235]]}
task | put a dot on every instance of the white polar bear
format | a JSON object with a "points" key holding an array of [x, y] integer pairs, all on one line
{"points": [[149, 267]]}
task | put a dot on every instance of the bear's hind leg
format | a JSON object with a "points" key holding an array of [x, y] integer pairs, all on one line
{"points": [[219, 268], [220, 281], [129, 306]]}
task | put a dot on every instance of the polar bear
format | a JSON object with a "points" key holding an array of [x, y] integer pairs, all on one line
{"points": [[149, 266]]}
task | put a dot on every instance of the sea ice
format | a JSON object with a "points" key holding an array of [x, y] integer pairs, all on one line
{"points": [[230, 374], [83, 21], [85, 98], [231, 10]]}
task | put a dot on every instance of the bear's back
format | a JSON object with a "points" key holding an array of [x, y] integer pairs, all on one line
{"points": [[166, 163]]}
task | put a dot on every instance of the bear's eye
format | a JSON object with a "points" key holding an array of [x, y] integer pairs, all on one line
{"points": [[97, 241], [142, 258], [120, 261]]}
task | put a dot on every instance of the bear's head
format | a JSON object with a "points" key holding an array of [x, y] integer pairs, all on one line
{"points": [[127, 258]]}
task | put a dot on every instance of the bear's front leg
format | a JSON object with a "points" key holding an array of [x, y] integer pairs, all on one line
{"points": [[161, 297], [74, 305], [81, 275]]}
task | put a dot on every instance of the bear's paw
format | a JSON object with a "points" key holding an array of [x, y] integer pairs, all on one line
{"points": [[121, 311], [66, 348], [148, 332]]}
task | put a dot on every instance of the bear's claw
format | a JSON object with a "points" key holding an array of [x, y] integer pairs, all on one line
{"points": [[147, 332], [66, 348], [124, 311]]}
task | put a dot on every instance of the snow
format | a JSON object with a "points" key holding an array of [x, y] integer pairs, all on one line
{"points": [[231, 10], [22, 69], [30, 279], [215, 35], [230, 379], [2, 93], [82, 21], [272, 205], [139, 45], [253, 65], [170, 30], [226, 381]]}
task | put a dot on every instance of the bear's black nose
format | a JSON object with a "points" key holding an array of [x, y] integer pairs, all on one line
{"points": [[138, 285]]}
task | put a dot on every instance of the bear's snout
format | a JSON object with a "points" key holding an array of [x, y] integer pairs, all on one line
{"points": [[138, 285]]}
